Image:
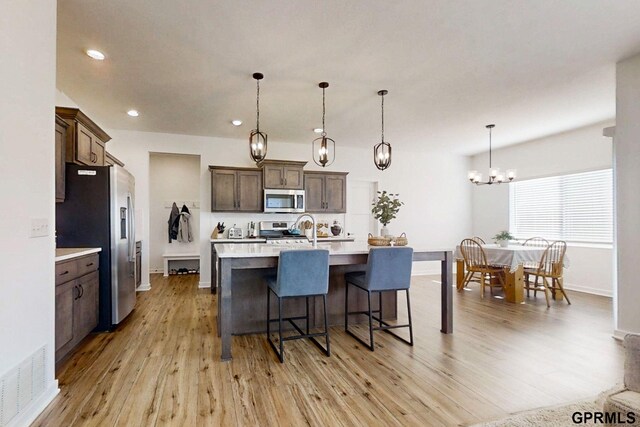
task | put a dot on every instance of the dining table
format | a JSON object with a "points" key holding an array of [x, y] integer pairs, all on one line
{"points": [[512, 258]]}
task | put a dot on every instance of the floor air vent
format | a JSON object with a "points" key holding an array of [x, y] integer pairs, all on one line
{"points": [[21, 386]]}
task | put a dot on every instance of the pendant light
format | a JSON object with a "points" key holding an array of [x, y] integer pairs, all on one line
{"points": [[382, 151], [323, 149], [495, 176], [257, 139]]}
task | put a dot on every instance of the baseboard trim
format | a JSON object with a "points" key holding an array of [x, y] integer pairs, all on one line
{"points": [[156, 270], [144, 287], [203, 285], [35, 409], [588, 290]]}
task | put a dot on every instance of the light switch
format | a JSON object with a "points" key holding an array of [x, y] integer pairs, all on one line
{"points": [[39, 227]]}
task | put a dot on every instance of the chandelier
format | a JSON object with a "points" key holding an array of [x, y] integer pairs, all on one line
{"points": [[382, 151], [495, 175], [257, 139], [323, 148]]}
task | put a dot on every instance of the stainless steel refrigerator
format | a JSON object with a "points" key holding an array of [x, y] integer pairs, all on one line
{"points": [[98, 211]]}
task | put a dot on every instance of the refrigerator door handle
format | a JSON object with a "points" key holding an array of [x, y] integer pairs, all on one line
{"points": [[131, 242]]}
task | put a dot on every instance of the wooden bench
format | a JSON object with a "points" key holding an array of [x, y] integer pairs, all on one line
{"points": [[177, 257]]}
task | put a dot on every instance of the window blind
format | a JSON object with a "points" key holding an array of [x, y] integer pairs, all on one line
{"points": [[575, 208]]}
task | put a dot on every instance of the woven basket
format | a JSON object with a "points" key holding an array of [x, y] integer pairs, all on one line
{"points": [[401, 240], [378, 240]]}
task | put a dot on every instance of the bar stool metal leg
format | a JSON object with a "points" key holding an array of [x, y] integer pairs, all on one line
{"points": [[326, 324]]}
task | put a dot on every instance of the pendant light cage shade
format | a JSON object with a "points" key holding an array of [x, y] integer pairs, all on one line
{"points": [[382, 155], [257, 145], [257, 139], [382, 150], [323, 149]]}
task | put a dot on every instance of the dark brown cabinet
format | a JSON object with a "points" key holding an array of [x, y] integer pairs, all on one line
{"points": [[326, 192], [283, 174], [77, 302], [60, 150], [85, 143], [138, 264], [236, 189]]}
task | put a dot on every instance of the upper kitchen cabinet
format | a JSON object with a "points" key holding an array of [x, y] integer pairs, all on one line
{"points": [[286, 174], [326, 192], [85, 139], [236, 189], [60, 150], [110, 160]]}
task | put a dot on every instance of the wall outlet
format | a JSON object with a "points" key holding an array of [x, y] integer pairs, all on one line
{"points": [[39, 227]]}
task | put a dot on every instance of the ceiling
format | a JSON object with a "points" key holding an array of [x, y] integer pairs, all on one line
{"points": [[532, 67]]}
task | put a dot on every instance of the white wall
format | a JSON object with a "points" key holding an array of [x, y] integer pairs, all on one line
{"points": [[432, 184], [627, 196], [582, 149], [27, 84], [172, 178]]}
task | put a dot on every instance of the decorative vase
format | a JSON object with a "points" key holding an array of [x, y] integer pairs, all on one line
{"points": [[503, 243], [336, 229], [384, 231]]}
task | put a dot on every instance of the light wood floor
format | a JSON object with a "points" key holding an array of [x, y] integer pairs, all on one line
{"points": [[161, 367]]}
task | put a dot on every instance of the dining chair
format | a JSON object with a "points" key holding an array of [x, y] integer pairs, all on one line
{"points": [[535, 242], [550, 267], [388, 270], [479, 240], [476, 260], [301, 273]]}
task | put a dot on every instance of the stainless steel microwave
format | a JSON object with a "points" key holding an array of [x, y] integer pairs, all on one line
{"points": [[284, 201]]}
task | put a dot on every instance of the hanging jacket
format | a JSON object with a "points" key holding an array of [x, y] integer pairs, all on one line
{"points": [[184, 227], [174, 219]]}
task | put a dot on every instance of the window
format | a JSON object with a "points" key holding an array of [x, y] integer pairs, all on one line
{"points": [[575, 208]]}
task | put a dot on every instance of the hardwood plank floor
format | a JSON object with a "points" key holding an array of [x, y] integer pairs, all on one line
{"points": [[161, 366]]}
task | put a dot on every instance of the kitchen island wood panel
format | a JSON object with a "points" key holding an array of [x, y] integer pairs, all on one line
{"points": [[238, 267]]}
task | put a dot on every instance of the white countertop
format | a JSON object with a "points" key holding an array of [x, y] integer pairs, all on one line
{"points": [[63, 254], [262, 240], [261, 250]]}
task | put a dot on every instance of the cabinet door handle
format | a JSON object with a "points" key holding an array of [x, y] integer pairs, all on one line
{"points": [[75, 297], [81, 291], [285, 181]]}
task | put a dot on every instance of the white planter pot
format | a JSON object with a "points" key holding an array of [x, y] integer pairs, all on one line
{"points": [[503, 243], [384, 231]]}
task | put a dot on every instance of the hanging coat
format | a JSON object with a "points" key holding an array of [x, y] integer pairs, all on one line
{"points": [[174, 220], [184, 227]]}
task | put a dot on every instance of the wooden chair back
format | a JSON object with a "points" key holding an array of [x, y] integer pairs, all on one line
{"points": [[552, 259], [479, 240], [473, 254], [537, 242]]}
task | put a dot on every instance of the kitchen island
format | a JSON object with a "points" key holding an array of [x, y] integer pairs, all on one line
{"points": [[242, 293]]}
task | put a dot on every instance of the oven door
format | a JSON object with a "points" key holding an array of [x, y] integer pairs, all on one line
{"points": [[283, 201]]}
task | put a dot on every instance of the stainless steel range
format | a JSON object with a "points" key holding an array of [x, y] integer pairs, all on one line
{"points": [[281, 233]]}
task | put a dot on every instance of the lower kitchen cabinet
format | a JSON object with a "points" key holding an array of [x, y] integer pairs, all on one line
{"points": [[77, 302]]}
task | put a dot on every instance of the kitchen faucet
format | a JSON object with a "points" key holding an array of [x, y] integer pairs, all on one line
{"points": [[313, 222]]}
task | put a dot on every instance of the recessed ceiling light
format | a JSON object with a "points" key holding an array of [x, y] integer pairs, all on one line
{"points": [[95, 54], [236, 122], [318, 130], [133, 113]]}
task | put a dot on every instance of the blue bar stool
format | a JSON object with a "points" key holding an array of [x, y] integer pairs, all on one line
{"points": [[301, 273], [388, 269]]}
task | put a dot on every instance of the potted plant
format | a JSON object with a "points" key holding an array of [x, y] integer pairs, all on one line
{"points": [[385, 209], [502, 238]]}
